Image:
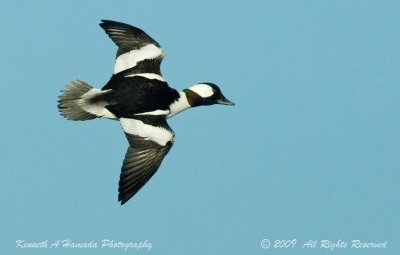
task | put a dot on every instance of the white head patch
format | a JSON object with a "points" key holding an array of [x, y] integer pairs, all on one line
{"points": [[203, 90]]}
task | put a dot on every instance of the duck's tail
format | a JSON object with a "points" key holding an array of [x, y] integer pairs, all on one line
{"points": [[80, 101]]}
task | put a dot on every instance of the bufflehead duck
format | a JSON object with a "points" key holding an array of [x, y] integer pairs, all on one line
{"points": [[138, 96]]}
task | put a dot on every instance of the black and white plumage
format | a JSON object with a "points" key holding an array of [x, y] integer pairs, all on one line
{"points": [[139, 97]]}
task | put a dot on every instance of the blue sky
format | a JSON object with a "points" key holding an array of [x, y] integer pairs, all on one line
{"points": [[309, 152]]}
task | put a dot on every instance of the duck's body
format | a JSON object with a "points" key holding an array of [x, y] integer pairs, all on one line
{"points": [[139, 97]]}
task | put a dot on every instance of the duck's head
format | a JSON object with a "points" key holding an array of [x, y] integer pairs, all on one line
{"points": [[206, 94]]}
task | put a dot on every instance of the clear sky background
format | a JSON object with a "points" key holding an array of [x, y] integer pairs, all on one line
{"points": [[310, 151]]}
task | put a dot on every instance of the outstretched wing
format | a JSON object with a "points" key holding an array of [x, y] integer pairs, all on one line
{"points": [[150, 139], [137, 51]]}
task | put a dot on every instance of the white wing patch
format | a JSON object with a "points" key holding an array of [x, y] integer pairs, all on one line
{"points": [[156, 134], [131, 58], [150, 76], [156, 112]]}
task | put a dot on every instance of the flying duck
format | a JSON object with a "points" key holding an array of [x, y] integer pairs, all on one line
{"points": [[140, 99]]}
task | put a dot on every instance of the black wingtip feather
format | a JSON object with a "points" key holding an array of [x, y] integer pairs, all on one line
{"points": [[126, 36], [124, 198], [123, 201], [106, 24], [140, 164]]}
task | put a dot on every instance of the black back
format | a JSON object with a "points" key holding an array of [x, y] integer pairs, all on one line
{"points": [[132, 95]]}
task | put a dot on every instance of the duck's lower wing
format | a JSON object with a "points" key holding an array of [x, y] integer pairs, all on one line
{"points": [[150, 139]]}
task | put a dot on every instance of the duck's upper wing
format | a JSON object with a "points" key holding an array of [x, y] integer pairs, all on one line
{"points": [[137, 51], [150, 139]]}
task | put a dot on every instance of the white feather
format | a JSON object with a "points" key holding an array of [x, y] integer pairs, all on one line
{"points": [[131, 58], [203, 90], [180, 105], [156, 112], [97, 108], [148, 76], [156, 134]]}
